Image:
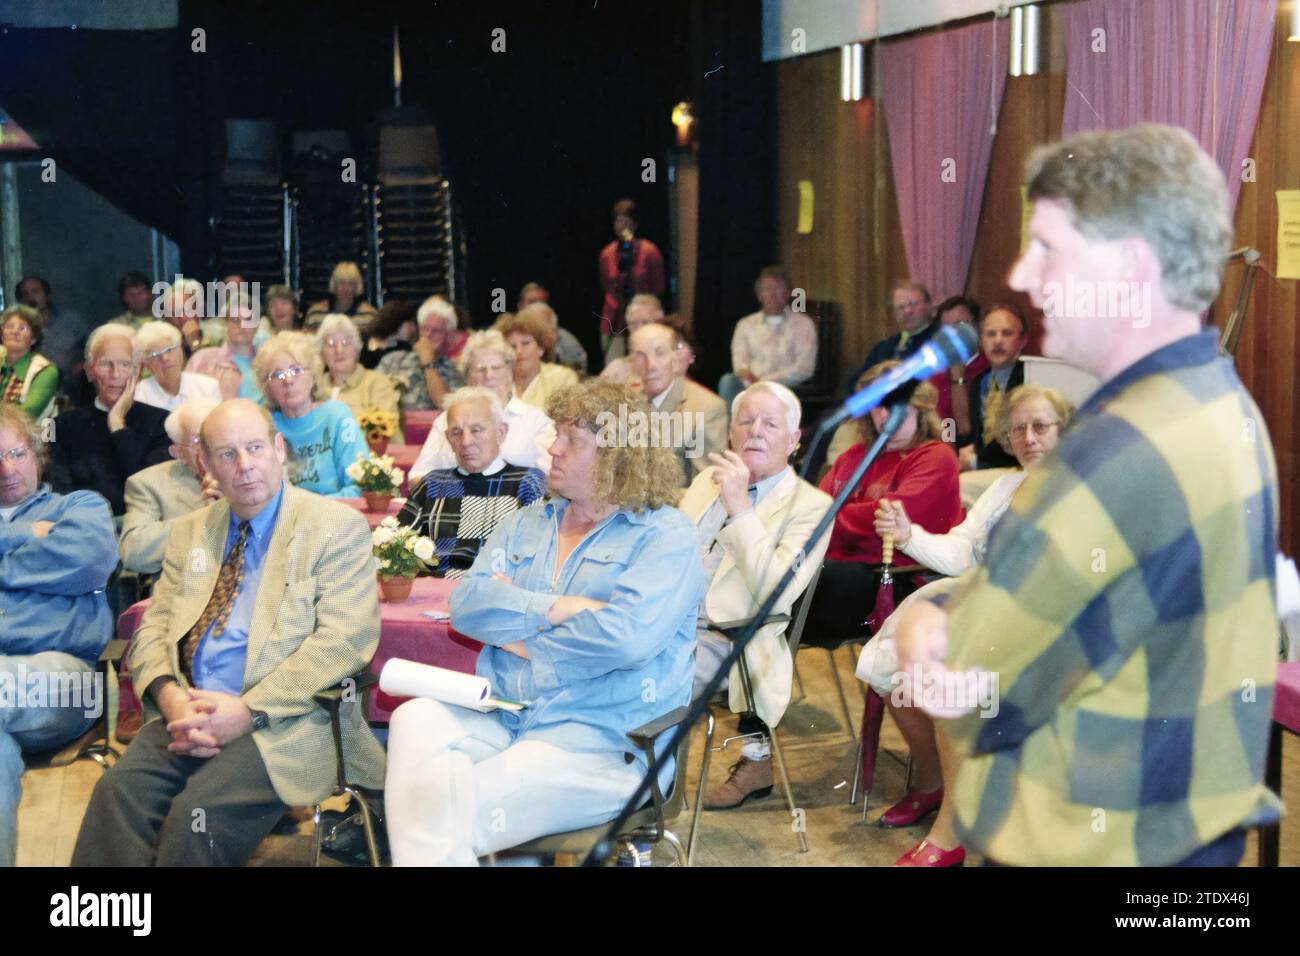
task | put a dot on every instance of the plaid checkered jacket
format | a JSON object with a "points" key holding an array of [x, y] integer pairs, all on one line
{"points": [[1127, 607], [459, 511]]}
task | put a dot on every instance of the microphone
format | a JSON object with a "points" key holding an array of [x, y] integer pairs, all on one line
{"points": [[951, 345]]}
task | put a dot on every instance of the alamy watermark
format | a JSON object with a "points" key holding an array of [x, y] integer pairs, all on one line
{"points": [[632, 428], [947, 693], [1085, 299], [207, 301], [76, 690]]}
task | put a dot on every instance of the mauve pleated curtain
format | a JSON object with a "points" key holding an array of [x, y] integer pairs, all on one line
{"points": [[1199, 64], [942, 91]]}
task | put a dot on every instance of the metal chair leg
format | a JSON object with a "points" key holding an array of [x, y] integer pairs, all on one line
{"points": [[683, 859], [798, 681], [316, 835], [785, 785], [367, 824], [699, 792], [844, 701], [857, 774]]}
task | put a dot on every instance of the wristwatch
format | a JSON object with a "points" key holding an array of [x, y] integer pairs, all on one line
{"points": [[429, 366], [260, 720]]}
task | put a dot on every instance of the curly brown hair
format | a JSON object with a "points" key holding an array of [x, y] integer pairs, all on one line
{"points": [[628, 475], [925, 399], [530, 320]]}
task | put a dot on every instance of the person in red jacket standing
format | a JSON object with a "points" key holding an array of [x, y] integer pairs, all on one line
{"points": [[917, 468], [627, 266]]}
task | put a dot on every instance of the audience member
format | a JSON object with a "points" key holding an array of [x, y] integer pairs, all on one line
{"points": [[958, 310], [641, 311], [916, 468], [320, 434], [183, 306], [158, 347], [64, 331], [428, 369], [1132, 576], [692, 420], [158, 495], [360, 389], [135, 292], [56, 555], [532, 336], [231, 364], [347, 297], [392, 331], [911, 307], [230, 653], [487, 362], [774, 344], [457, 508], [27, 378], [282, 313], [583, 602], [1031, 421], [568, 350], [1003, 336], [754, 517], [627, 266], [97, 447]]}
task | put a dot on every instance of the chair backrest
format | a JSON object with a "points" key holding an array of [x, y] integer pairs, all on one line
{"points": [[826, 374], [799, 612]]}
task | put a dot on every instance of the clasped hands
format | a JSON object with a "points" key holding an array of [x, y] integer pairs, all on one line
{"points": [[565, 606], [202, 722]]}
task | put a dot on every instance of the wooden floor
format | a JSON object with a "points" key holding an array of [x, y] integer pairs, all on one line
{"points": [[818, 753]]}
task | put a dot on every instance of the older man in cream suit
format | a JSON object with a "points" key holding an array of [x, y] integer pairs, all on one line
{"points": [[754, 516], [266, 597], [158, 495], [695, 425]]}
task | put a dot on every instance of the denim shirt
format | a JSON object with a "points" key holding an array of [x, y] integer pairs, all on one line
{"points": [[52, 588], [601, 673]]}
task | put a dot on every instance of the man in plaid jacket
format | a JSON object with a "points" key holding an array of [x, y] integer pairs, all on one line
{"points": [[1126, 606]]}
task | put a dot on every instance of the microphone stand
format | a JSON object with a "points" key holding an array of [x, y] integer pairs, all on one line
{"points": [[897, 413]]}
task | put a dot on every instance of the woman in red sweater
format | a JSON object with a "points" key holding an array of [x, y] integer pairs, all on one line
{"points": [[916, 468]]}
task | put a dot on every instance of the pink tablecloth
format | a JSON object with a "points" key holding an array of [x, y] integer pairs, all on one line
{"points": [[416, 424], [375, 517], [404, 457], [404, 632], [1286, 697]]}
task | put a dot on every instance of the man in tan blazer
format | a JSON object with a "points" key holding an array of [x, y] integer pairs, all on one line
{"points": [[265, 598], [696, 421], [158, 495], [754, 516]]}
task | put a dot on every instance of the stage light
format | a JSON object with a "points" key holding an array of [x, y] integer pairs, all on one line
{"points": [[851, 57], [1026, 34]]}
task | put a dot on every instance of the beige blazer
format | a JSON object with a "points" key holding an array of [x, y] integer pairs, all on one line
{"points": [[760, 545], [687, 398], [155, 497], [315, 622]]}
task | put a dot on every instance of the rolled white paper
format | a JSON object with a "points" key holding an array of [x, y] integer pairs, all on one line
{"points": [[403, 678]]}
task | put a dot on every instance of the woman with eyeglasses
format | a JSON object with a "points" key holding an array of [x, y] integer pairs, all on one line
{"points": [[322, 436], [27, 378], [158, 348], [488, 361], [1029, 423], [356, 386]]}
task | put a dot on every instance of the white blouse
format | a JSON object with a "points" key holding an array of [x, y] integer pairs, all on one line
{"points": [[963, 547]]}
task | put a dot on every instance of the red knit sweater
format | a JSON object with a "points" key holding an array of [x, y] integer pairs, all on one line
{"points": [[923, 478]]}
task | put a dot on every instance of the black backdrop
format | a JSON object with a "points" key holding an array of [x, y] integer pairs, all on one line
{"points": [[538, 141]]}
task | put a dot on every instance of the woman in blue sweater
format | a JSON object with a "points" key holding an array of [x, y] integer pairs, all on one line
{"points": [[322, 436]]}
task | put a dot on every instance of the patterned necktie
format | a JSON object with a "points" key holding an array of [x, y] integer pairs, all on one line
{"points": [[992, 403], [220, 604], [11, 386]]}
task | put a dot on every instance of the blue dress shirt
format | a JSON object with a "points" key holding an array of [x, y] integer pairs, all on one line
{"points": [[219, 661]]}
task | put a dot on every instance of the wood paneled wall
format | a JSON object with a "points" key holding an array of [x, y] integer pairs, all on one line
{"points": [[855, 251]]}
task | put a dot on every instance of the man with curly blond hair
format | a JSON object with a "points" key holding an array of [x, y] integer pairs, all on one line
{"points": [[586, 604]]}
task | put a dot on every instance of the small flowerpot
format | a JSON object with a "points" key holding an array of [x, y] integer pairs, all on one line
{"points": [[377, 502], [395, 590], [378, 443]]}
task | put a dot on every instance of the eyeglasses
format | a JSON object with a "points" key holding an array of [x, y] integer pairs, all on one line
{"points": [[904, 306], [16, 455], [286, 375], [486, 369], [1040, 429], [160, 353], [106, 366], [13, 328], [335, 343]]}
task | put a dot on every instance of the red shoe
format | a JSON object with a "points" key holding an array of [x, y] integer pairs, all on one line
{"points": [[911, 808], [926, 853]]}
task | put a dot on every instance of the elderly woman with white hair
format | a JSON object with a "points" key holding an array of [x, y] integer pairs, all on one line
{"points": [[158, 347], [347, 297], [348, 381], [459, 507], [321, 435], [183, 307], [428, 368], [488, 361]]}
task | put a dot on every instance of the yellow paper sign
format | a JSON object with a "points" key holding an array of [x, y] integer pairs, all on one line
{"points": [[1288, 233], [1026, 213], [806, 203]]}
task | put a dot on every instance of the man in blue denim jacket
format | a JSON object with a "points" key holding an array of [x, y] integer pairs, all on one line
{"points": [[586, 602], [56, 553]]}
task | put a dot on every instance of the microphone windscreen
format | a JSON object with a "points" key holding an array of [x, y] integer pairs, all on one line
{"points": [[956, 343]]}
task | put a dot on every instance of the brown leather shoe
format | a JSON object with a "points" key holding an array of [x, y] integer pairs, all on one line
{"points": [[129, 723], [749, 778]]}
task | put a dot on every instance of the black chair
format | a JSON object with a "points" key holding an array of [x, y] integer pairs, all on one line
{"points": [[350, 691], [822, 390], [94, 743], [798, 616]]}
